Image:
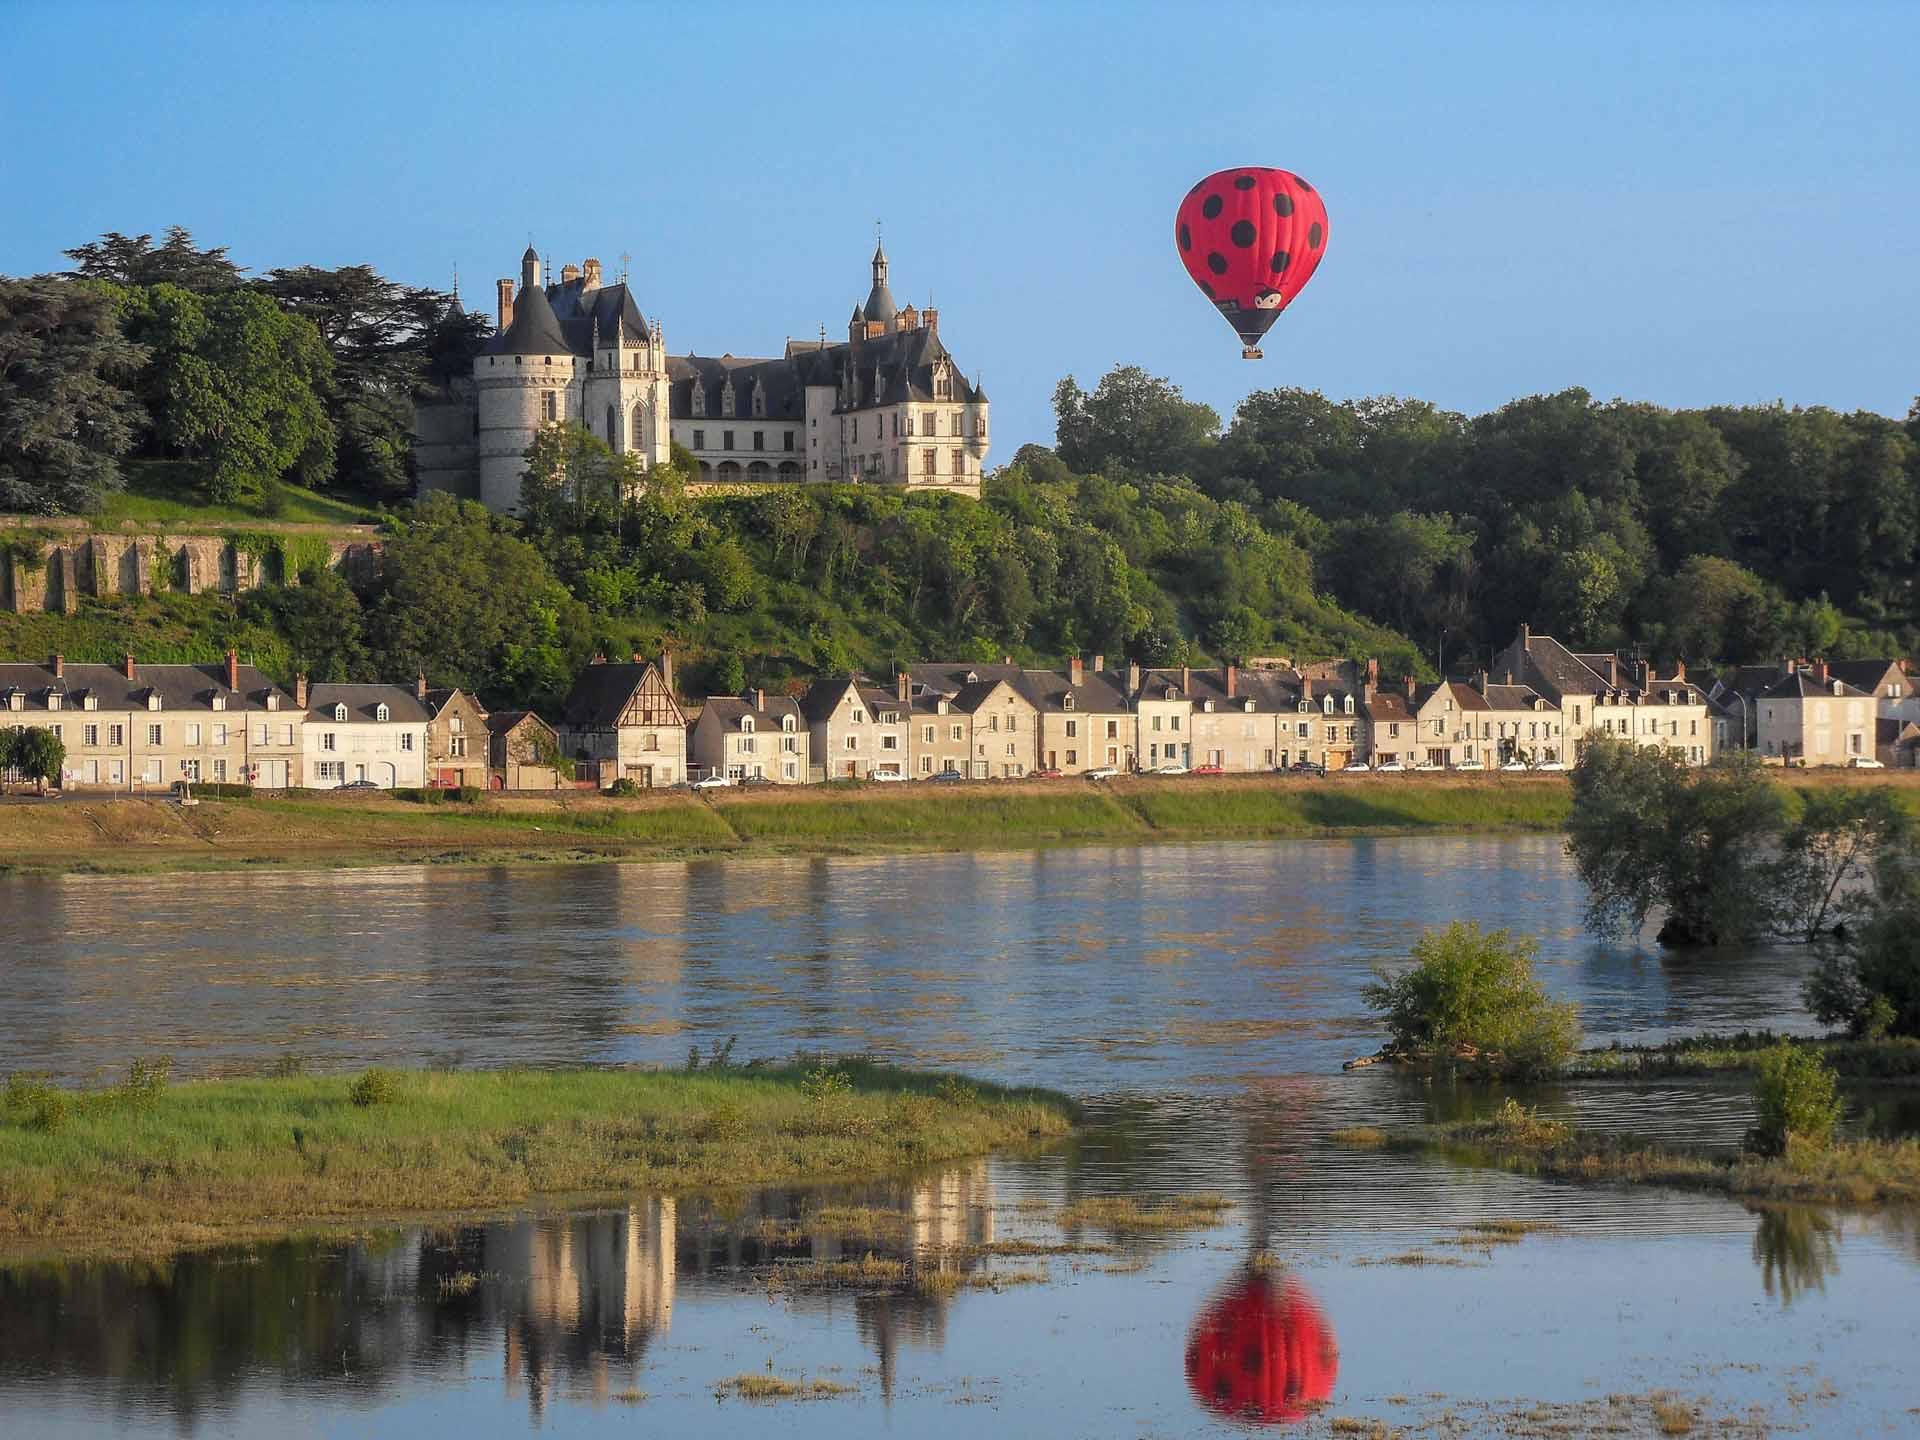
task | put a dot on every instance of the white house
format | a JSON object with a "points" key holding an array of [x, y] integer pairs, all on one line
{"points": [[375, 733]]}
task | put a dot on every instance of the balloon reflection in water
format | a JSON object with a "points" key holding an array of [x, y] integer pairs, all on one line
{"points": [[1263, 1350]]}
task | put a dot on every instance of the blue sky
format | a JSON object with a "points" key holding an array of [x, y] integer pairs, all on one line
{"points": [[1678, 203]]}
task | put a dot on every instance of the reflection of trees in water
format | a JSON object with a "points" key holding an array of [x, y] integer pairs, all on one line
{"points": [[1796, 1247]]}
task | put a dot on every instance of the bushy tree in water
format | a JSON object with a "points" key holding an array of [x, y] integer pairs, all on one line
{"points": [[1870, 981], [1473, 994], [1649, 830]]}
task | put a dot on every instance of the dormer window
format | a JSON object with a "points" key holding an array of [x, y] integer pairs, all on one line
{"points": [[89, 701], [15, 700], [219, 702], [786, 722], [53, 700], [340, 712], [380, 712], [699, 405], [1326, 704], [746, 724], [273, 700], [1247, 705], [1207, 705], [973, 677], [940, 705], [726, 399], [759, 399], [153, 700], [1349, 704], [1066, 702]]}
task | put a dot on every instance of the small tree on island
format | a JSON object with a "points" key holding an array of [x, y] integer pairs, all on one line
{"points": [[1472, 995]]}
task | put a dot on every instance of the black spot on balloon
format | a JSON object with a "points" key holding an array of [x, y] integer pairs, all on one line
{"points": [[1301, 183], [1243, 182], [1217, 263], [1280, 258], [1315, 235], [1213, 207], [1207, 290], [1283, 204], [1186, 238], [1243, 233]]}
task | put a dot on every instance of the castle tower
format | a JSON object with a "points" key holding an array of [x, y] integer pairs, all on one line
{"points": [[525, 379]]}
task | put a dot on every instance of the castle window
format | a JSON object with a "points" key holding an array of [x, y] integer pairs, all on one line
{"points": [[759, 400], [788, 437], [928, 460], [380, 712], [909, 424], [699, 398], [759, 439], [610, 426], [726, 439], [637, 435], [729, 472], [699, 439], [551, 401], [980, 425], [726, 399], [516, 359], [547, 359], [959, 461]]}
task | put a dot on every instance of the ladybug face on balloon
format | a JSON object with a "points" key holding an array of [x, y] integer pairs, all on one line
{"points": [[1251, 238]]}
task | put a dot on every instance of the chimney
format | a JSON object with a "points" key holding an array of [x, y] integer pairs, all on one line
{"points": [[59, 667], [1642, 674], [760, 700], [1099, 664], [1186, 679], [1526, 638], [233, 670], [420, 687], [903, 687], [504, 305], [569, 273], [598, 659], [300, 691], [930, 318], [1006, 659], [1409, 689], [666, 668], [1306, 687], [1480, 681], [1133, 677], [1373, 672], [126, 666], [591, 274], [1820, 671], [1679, 669], [1233, 681], [1366, 692], [1076, 675]]}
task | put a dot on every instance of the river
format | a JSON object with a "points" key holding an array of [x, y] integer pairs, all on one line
{"points": [[1201, 999]]}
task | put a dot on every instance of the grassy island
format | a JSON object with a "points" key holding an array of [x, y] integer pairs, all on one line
{"points": [[150, 1167], [1858, 1172]]}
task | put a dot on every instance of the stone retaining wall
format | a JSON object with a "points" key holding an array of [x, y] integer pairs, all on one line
{"points": [[53, 570]]}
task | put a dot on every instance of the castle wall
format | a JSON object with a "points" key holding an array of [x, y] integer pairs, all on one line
{"points": [[77, 564]]}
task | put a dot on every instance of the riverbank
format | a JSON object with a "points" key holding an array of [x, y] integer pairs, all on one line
{"points": [[105, 835], [1855, 1172], [148, 1168], [1887, 1061]]}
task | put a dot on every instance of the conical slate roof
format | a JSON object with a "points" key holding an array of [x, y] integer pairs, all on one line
{"points": [[535, 330], [879, 304]]}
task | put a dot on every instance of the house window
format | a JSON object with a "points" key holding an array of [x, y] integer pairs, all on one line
{"points": [[190, 769], [406, 740], [927, 734], [219, 734], [956, 733], [1113, 729], [959, 461], [91, 734], [853, 742], [380, 712], [220, 772], [458, 746], [153, 734], [327, 740], [116, 735], [1073, 757], [699, 439], [889, 742], [928, 459], [1073, 728]]}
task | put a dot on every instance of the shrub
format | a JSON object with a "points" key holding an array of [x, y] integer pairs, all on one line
{"points": [[624, 789], [374, 1087], [146, 1081], [1795, 1101], [467, 794], [1473, 995], [216, 790], [824, 1085], [33, 1104], [418, 795], [725, 1122]]}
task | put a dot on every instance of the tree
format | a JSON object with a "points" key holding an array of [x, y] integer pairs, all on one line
{"points": [[66, 414], [1647, 830], [235, 384], [1133, 420], [1870, 982], [135, 261], [465, 601], [323, 622], [1833, 845], [38, 754], [382, 336], [1472, 994], [1795, 1101]]}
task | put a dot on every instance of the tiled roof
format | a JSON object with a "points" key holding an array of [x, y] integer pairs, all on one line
{"points": [[1516, 697], [600, 693], [503, 722], [535, 329], [1806, 684], [730, 710], [180, 687], [403, 706]]}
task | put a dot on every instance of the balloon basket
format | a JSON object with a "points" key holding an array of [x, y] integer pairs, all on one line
{"points": [[1252, 352]]}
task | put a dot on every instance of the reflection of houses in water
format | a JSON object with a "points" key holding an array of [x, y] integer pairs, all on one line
{"points": [[582, 1294]]}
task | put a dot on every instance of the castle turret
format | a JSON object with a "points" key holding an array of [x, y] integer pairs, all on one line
{"points": [[529, 270], [879, 307]]}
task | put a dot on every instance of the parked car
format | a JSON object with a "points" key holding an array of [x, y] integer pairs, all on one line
{"points": [[1045, 773], [714, 782], [356, 785], [1393, 766], [1516, 765], [1174, 768], [948, 777], [754, 782], [1864, 762], [1357, 765], [1550, 765], [1103, 772], [886, 777], [1429, 765], [1209, 770], [1307, 767]]}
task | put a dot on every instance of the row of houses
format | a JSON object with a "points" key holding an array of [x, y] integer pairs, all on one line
{"points": [[142, 728]]}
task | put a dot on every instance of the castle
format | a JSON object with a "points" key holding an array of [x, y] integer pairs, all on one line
{"points": [[888, 407]]}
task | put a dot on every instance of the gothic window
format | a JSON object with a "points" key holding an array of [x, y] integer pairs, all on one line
{"points": [[610, 428], [726, 398], [759, 400], [637, 434], [699, 398], [551, 402]]}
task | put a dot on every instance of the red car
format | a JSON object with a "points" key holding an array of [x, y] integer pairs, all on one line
{"points": [[1208, 770], [1043, 775]]}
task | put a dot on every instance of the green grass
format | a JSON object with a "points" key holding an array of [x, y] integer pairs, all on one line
{"points": [[1893, 1059], [165, 495], [147, 1171], [937, 817], [1369, 802]]}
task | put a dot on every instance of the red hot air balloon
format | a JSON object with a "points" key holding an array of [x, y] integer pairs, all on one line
{"points": [[1262, 1351], [1251, 238]]}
